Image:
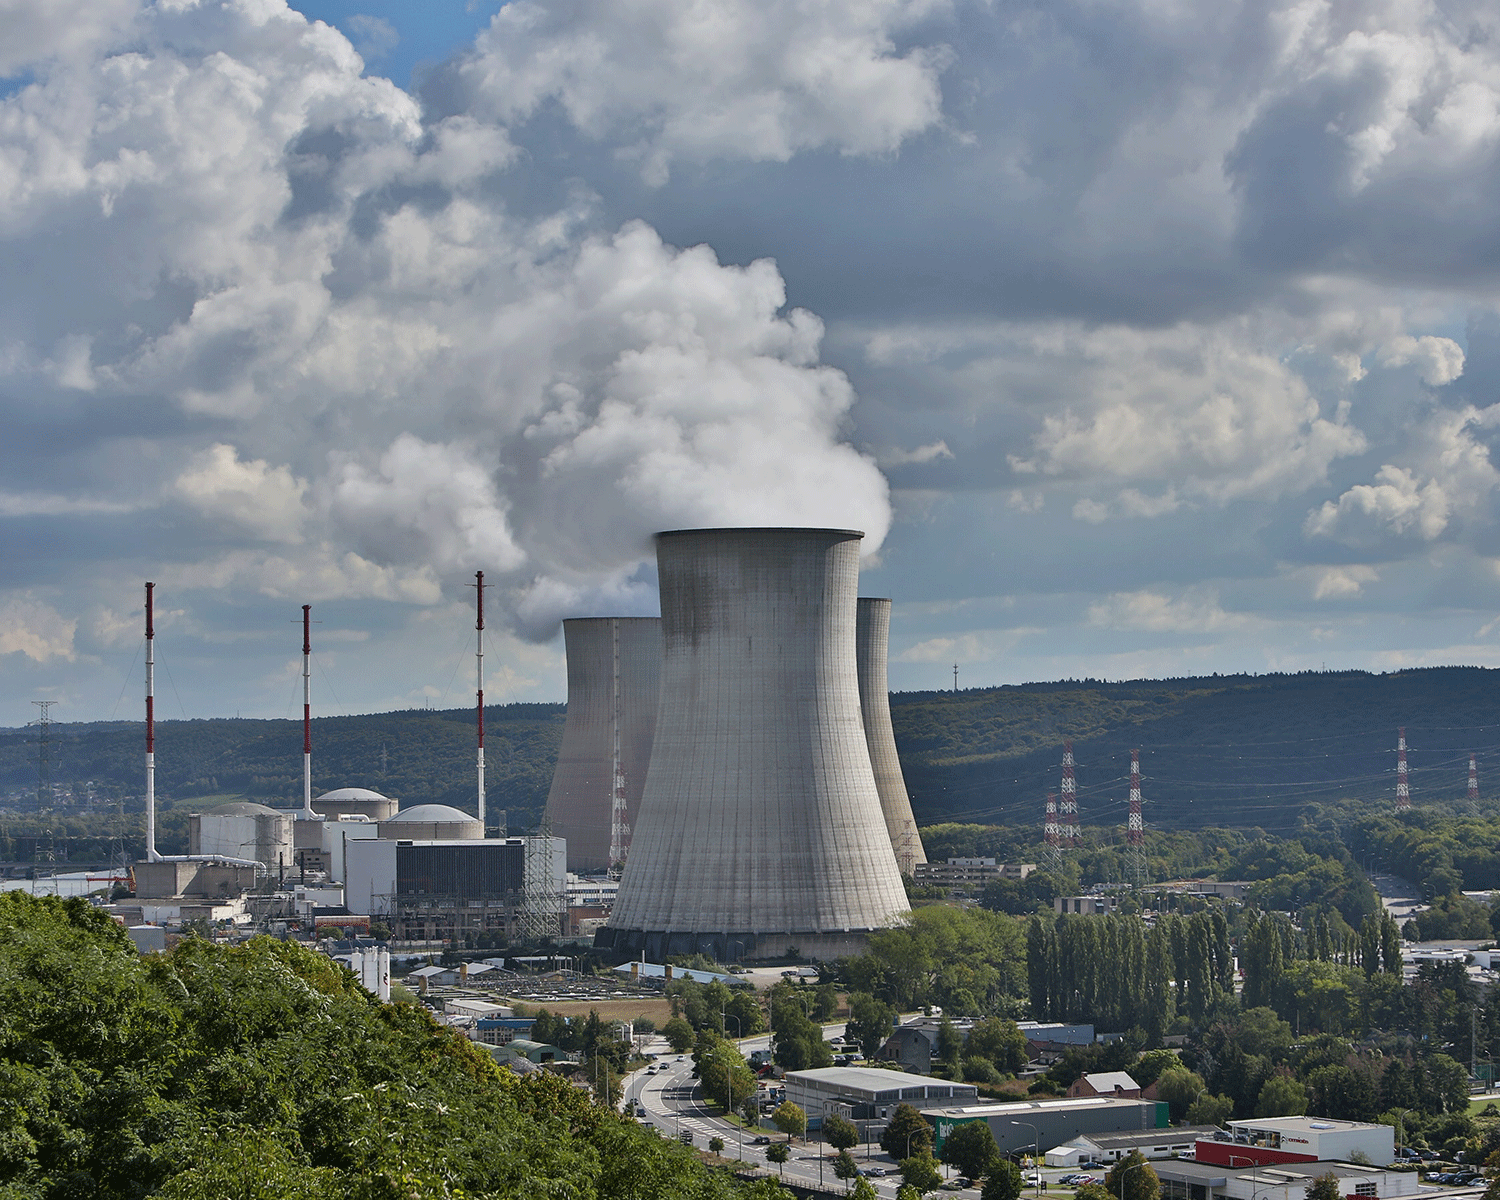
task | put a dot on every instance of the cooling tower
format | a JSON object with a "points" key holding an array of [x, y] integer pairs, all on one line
{"points": [[760, 826], [871, 642], [614, 675]]}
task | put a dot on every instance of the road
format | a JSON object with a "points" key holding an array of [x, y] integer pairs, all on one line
{"points": [[674, 1102]]}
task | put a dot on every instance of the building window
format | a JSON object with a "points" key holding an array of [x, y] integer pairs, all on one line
{"points": [[1365, 1189]]}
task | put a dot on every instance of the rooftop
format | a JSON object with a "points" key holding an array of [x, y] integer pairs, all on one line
{"points": [[431, 814], [1148, 1137], [1300, 1124], [352, 793], [874, 1079], [1021, 1107]]}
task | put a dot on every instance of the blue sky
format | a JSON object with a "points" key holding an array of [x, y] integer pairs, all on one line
{"points": [[1142, 340]]}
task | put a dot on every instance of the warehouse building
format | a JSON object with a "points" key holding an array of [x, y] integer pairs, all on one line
{"points": [[1043, 1124], [1183, 1179], [1268, 1140], [864, 1094]]}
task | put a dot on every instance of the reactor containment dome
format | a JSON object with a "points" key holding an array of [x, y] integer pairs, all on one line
{"points": [[760, 826], [614, 676]]}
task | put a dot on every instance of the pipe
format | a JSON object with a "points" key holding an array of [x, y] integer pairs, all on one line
{"points": [[220, 859], [307, 808], [151, 854], [479, 690]]}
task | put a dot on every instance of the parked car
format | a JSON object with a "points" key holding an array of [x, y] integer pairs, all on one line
{"points": [[1083, 1179], [761, 1140], [875, 1172]]}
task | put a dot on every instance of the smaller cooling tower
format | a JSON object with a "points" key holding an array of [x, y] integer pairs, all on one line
{"points": [[872, 637], [614, 677]]}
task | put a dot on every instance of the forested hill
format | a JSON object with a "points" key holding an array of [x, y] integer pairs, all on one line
{"points": [[1222, 750]]}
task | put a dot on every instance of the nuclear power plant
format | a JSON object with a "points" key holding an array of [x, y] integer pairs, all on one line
{"points": [[872, 645], [761, 825], [614, 676]]}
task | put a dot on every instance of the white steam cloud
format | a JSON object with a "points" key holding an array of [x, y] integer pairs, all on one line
{"points": [[405, 381]]}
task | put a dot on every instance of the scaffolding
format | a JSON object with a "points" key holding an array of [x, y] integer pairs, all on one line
{"points": [[542, 909]]}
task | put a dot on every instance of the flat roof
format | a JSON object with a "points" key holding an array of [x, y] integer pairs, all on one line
{"points": [[1038, 1106], [1304, 1124], [1275, 1174], [1147, 1137], [876, 1079]]}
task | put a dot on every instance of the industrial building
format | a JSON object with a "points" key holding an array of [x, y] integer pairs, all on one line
{"points": [[250, 831], [614, 681], [866, 1093], [1264, 1140], [760, 827], [430, 890], [355, 802], [871, 647], [1153, 1144], [969, 873], [1043, 1124], [1187, 1180]]}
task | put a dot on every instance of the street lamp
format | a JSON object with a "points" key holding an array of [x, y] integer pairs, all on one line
{"points": [[1036, 1152]]}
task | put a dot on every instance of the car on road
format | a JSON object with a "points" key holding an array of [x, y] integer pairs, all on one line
{"points": [[761, 1140], [1083, 1179], [682, 1058], [954, 1185], [1070, 1177]]}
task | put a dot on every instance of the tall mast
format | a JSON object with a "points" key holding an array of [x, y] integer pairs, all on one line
{"points": [[151, 854], [307, 808], [479, 689]]}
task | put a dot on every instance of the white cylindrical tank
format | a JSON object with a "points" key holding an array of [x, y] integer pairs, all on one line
{"points": [[614, 675], [760, 826], [872, 644], [248, 831]]}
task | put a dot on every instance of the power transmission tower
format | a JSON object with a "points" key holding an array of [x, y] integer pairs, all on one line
{"points": [[1403, 788], [1473, 778], [43, 725], [1135, 831], [1052, 835], [1069, 832]]}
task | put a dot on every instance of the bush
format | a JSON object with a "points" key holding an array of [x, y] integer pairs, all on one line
{"points": [[979, 1070]]}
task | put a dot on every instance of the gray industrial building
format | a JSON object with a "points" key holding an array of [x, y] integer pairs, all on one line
{"points": [[244, 831], [1047, 1123], [614, 677], [445, 889], [872, 646], [760, 826]]}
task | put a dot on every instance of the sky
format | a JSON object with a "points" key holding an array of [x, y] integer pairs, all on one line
{"points": [[1142, 338]]}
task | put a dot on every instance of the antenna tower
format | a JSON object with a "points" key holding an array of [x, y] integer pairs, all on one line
{"points": [[1403, 789], [1135, 831], [955, 679], [1473, 778], [478, 691], [43, 725], [1069, 832], [541, 909], [307, 808], [1052, 834], [619, 804], [151, 854]]}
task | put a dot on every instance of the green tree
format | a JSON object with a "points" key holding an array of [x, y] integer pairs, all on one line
{"points": [[679, 1034], [839, 1132], [790, 1119], [870, 1022], [978, 1070], [1094, 1191], [1325, 1187], [1151, 1065], [1210, 1109], [715, 1145], [863, 1189], [825, 1001], [1000, 1041], [844, 1166], [1137, 1177], [949, 1044], [1002, 1181], [971, 1148], [778, 1153], [1178, 1087], [1281, 1096], [906, 1133], [920, 1173]]}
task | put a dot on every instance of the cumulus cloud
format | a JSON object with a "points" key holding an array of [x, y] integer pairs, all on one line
{"points": [[416, 383], [1195, 611], [1340, 583], [670, 79], [265, 501], [32, 627], [922, 454]]}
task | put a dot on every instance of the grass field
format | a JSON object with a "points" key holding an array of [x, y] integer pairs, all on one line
{"points": [[1479, 1103], [625, 1010]]}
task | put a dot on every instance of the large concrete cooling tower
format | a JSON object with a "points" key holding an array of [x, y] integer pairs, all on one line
{"points": [[872, 641], [760, 827], [614, 672]]}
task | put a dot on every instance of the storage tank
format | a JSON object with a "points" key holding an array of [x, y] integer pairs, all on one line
{"points": [[244, 831], [614, 675], [760, 826], [871, 647], [431, 823]]}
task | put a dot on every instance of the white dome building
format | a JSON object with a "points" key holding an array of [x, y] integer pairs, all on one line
{"points": [[431, 823], [355, 802]]}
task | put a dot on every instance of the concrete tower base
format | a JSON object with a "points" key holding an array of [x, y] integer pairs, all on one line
{"points": [[732, 947]]}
